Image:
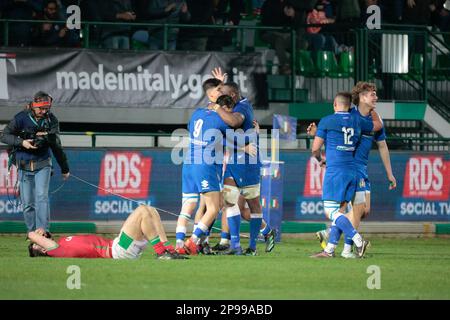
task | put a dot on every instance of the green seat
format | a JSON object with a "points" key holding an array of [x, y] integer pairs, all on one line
{"points": [[416, 64], [305, 63], [416, 67], [137, 45], [327, 65], [347, 63]]}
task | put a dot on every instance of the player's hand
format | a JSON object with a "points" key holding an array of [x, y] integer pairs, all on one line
{"points": [[392, 182], [311, 130], [171, 7], [62, 32], [66, 175], [411, 3], [251, 149], [323, 163], [218, 74], [28, 144], [40, 231]]}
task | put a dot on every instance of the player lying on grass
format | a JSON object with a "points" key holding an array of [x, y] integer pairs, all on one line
{"points": [[141, 226]]}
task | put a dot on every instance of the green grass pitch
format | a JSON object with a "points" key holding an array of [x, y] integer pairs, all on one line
{"points": [[409, 269]]}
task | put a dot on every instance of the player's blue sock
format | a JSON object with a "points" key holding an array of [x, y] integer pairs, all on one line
{"points": [[335, 235], [200, 230], [255, 224], [180, 235], [346, 226], [208, 232], [234, 223], [266, 230], [225, 235]]}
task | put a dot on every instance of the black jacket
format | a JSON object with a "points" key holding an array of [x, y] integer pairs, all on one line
{"points": [[24, 126]]}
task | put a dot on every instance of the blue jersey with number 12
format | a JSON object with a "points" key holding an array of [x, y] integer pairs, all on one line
{"points": [[341, 132]]}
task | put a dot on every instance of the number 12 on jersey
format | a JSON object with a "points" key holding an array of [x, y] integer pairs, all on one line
{"points": [[348, 134]]}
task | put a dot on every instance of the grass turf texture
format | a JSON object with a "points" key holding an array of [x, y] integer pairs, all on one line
{"points": [[410, 269]]}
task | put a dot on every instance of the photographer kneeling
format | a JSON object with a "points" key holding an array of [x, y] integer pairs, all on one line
{"points": [[30, 135]]}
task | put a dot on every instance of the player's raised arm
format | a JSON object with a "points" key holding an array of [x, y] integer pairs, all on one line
{"points": [[42, 241], [311, 130], [234, 119]]}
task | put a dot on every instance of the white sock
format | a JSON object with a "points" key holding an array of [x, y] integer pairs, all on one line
{"points": [[224, 241], [179, 244], [330, 248], [357, 239], [347, 248], [195, 239]]}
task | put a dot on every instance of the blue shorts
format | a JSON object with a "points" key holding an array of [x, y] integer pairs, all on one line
{"points": [[339, 185], [201, 178], [244, 174], [362, 178]]}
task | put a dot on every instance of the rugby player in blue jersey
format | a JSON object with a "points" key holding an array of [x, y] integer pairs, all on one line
{"points": [[202, 167], [242, 174], [364, 101], [341, 133]]}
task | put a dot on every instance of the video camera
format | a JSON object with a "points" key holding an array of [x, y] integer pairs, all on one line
{"points": [[38, 140]]}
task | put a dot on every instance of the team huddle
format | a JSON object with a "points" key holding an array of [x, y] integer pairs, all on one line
{"points": [[221, 172]]}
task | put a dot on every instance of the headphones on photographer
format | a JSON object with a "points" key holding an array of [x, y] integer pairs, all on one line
{"points": [[41, 100]]}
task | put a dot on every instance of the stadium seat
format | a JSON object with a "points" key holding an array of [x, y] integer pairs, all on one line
{"points": [[284, 95], [347, 63], [372, 69], [327, 65], [305, 63], [442, 69], [416, 67], [258, 42]]}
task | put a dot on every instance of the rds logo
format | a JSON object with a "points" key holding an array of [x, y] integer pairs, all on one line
{"points": [[125, 173], [427, 178], [7, 182], [313, 178]]}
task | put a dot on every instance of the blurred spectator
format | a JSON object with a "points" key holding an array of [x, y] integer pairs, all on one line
{"points": [[257, 5], [53, 34], [279, 13], [441, 16], [91, 11], [316, 39], [228, 13], [229, 10], [117, 37], [348, 12], [20, 33], [161, 11], [418, 12], [391, 10], [348, 16], [196, 39]]}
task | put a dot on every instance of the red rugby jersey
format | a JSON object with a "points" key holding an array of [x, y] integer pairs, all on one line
{"points": [[84, 246]]}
